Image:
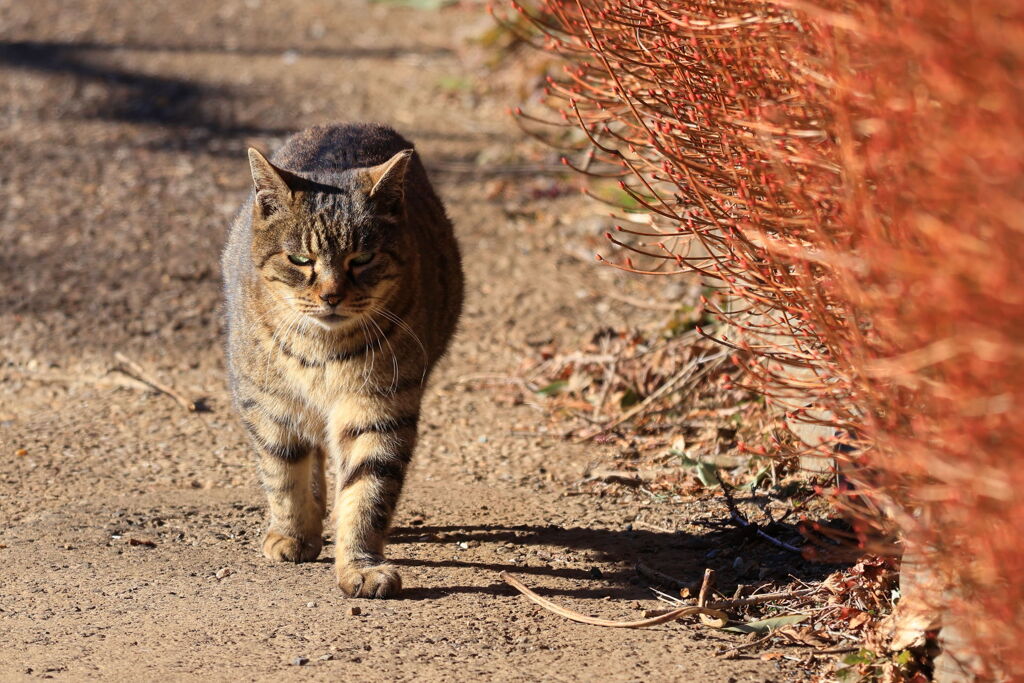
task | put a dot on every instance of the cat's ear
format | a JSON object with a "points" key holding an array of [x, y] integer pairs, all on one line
{"points": [[272, 192], [387, 180]]}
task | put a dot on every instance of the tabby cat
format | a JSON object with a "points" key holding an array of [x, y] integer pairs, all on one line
{"points": [[343, 286]]}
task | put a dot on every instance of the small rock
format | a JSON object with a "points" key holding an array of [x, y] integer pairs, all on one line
{"points": [[300, 661], [310, 604], [222, 572], [596, 573], [326, 658], [355, 611]]}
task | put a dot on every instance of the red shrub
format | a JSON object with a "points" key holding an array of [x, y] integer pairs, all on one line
{"points": [[852, 174]]}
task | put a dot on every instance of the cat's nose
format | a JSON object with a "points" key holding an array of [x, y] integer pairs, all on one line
{"points": [[330, 298]]}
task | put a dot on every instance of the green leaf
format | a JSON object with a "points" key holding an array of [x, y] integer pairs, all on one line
{"points": [[553, 388], [766, 625], [629, 399], [684, 459], [708, 474], [455, 84], [861, 656], [758, 479], [903, 658]]}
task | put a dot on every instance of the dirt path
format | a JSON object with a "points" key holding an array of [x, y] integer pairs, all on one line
{"points": [[123, 132]]}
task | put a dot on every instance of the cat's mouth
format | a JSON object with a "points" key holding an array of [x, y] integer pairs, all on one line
{"points": [[329, 320]]}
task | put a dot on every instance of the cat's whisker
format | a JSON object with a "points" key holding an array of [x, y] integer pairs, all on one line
{"points": [[369, 344], [391, 349], [408, 330]]}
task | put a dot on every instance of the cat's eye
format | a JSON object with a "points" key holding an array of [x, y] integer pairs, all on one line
{"points": [[299, 260], [361, 259]]}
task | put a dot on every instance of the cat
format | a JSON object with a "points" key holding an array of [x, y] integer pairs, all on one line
{"points": [[343, 286]]}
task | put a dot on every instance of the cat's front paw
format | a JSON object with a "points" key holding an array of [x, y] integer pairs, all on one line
{"points": [[376, 581], [281, 548]]}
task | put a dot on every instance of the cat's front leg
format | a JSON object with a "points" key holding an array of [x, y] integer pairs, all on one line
{"points": [[296, 516], [375, 448], [289, 473]]}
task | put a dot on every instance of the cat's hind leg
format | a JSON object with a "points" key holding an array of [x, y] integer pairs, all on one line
{"points": [[320, 481]]}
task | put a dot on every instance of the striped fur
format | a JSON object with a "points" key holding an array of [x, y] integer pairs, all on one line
{"points": [[311, 388]]}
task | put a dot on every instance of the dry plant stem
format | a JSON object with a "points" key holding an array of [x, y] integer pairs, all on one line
{"points": [[134, 370], [594, 621], [654, 576], [759, 599], [609, 376], [705, 586]]}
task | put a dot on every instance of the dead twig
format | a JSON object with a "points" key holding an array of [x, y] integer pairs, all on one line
{"points": [[715, 621], [760, 599], [705, 586], [595, 621], [129, 367], [653, 527], [638, 303], [732, 652]]}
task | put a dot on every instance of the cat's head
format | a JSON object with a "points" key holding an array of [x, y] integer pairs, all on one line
{"points": [[329, 253]]}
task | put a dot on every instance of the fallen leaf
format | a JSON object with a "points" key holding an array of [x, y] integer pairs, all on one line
{"points": [[708, 474], [766, 625], [553, 388]]}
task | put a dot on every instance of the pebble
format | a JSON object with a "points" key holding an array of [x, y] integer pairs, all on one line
{"points": [[326, 658], [355, 611], [310, 604], [222, 572], [300, 661]]}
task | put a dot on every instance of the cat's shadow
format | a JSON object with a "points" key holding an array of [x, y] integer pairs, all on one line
{"points": [[598, 563]]}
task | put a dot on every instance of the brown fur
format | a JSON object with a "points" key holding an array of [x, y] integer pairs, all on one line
{"points": [[312, 389]]}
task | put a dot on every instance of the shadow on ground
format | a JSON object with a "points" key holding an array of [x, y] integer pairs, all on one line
{"points": [[680, 555]]}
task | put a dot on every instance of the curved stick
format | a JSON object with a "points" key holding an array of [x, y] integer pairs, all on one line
{"points": [[595, 621]]}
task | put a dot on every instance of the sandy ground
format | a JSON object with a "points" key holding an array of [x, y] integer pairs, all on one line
{"points": [[129, 527]]}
